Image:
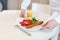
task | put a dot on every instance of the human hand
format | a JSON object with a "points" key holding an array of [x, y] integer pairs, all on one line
{"points": [[22, 14], [50, 24]]}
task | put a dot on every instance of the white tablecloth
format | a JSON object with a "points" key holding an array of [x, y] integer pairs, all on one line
{"points": [[9, 32]]}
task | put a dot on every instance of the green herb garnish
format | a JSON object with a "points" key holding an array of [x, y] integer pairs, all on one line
{"points": [[34, 19]]}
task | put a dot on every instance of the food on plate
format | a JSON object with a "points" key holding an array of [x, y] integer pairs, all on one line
{"points": [[26, 22], [29, 23], [34, 19], [34, 24], [29, 14]]}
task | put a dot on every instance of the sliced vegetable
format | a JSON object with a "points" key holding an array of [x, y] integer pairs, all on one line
{"points": [[34, 19], [26, 22]]}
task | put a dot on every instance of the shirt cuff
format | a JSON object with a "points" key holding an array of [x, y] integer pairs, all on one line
{"points": [[58, 18]]}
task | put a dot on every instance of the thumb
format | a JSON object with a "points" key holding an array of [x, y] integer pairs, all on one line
{"points": [[44, 26]]}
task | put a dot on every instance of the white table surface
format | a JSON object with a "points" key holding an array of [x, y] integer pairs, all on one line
{"points": [[9, 32]]}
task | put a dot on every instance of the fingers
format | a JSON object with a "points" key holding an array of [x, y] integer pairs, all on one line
{"points": [[48, 26], [22, 14], [45, 26]]}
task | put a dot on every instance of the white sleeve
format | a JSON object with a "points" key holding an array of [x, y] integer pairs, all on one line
{"points": [[25, 4], [58, 18]]}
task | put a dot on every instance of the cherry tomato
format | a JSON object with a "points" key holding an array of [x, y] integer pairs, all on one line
{"points": [[22, 24], [26, 22]]}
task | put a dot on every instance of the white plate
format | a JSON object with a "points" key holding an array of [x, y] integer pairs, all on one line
{"points": [[30, 29]]}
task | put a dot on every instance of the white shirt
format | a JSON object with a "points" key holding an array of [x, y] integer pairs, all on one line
{"points": [[25, 4], [55, 5], [58, 18]]}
